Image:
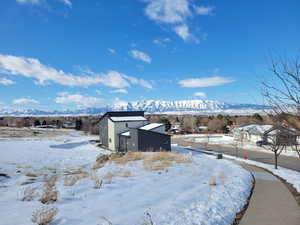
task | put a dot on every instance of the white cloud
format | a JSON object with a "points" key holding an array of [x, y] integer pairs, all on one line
{"points": [[176, 13], [67, 2], [33, 68], [98, 92], [112, 51], [1, 103], [183, 31], [140, 56], [141, 82], [5, 81], [168, 11], [200, 94], [162, 42], [204, 11], [204, 82], [123, 91], [22, 101], [78, 99], [28, 1], [36, 2]]}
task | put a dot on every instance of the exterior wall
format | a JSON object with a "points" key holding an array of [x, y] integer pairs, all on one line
{"points": [[143, 140], [133, 141], [111, 135], [103, 131], [120, 127], [124, 143], [153, 141]]}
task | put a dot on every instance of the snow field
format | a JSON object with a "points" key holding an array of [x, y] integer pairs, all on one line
{"points": [[172, 191]]}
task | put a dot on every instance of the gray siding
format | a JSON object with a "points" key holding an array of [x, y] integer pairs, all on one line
{"points": [[103, 131], [143, 140], [153, 141]]}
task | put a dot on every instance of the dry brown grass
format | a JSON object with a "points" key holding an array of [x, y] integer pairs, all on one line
{"points": [[100, 162], [157, 165], [154, 161], [164, 160], [129, 156], [74, 171], [44, 215], [71, 180], [50, 194], [110, 175], [31, 174]]}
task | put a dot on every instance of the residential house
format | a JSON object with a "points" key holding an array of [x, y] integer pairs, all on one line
{"points": [[250, 133], [131, 131]]}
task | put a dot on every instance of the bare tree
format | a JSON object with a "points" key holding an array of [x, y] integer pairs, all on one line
{"points": [[206, 144], [239, 141], [282, 95], [277, 140], [215, 125]]}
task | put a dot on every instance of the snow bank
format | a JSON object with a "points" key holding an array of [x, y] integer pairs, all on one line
{"points": [[291, 176]]}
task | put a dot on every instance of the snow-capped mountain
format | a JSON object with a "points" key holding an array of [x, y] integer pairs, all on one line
{"points": [[150, 106]]}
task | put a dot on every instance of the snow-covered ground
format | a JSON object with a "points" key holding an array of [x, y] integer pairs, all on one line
{"points": [[291, 176], [221, 139], [180, 193]]}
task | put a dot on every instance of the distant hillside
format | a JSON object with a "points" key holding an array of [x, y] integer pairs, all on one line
{"points": [[150, 106]]}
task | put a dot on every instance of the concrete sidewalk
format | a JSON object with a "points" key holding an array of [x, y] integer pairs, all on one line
{"points": [[271, 202]]}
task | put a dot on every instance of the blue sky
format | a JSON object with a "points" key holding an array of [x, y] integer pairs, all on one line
{"points": [[57, 54]]}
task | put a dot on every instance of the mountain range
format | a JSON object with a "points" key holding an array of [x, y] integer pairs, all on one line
{"points": [[149, 106]]}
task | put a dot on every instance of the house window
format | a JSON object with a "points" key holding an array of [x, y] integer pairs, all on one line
{"points": [[110, 140], [126, 124]]}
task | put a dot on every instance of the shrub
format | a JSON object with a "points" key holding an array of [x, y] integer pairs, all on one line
{"points": [[213, 181], [50, 194], [98, 183], [28, 194], [44, 215], [100, 161]]}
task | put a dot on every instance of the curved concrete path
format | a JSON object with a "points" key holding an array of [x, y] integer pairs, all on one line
{"points": [[271, 202]]}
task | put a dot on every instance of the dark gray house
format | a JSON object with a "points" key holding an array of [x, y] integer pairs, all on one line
{"points": [[131, 131]]}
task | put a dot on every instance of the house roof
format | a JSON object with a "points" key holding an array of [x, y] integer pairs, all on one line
{"points": [[148, 127], [151, 126], [274, 129], [122, 114], [127, 133], [255, 129], [127, 118]]}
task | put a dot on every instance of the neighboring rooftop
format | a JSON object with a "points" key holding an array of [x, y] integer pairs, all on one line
{"points": [[255, 129]]}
